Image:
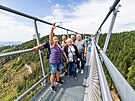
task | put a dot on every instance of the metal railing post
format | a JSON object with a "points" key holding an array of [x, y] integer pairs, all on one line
{"points": [[40, 51], [110, 29], [67, 34], [98, 35], [108, 14]]}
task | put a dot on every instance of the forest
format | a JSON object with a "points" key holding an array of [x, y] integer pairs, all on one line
{"points": [[121, 51], [15, 78]]}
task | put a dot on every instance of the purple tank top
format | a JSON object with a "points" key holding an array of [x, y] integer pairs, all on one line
{"points": [[55, 54]]}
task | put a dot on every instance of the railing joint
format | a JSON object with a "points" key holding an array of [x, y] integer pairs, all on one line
{"points": [[36, 19]]}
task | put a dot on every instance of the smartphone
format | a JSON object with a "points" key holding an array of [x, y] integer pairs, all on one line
{"points": [[59, 24]]}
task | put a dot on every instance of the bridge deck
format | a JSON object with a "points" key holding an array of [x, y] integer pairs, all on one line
{"points": [[71, 90]]}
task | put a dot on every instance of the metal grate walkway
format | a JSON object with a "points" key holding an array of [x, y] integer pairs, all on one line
{"points": [[71, 90]]}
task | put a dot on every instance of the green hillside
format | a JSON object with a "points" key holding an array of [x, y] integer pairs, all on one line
{"points": [[121, 51], [15, 77]]}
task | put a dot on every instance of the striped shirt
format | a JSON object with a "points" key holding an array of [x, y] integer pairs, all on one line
{"points": [[55, 54]]}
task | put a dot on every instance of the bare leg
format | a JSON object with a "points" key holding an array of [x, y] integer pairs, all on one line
{"points": [[58, 75], [52, 78]]}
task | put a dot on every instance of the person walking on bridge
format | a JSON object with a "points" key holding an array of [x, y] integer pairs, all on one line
{"points": [[73, 38], [54, 55], [64, 38], [82, 51], [55, 58], [72, 54], [65, 69]]}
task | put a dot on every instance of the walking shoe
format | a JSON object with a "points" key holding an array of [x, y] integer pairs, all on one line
{"points": [[59, 82], [62, 71], [76, 78], [81, 71], [66, 73], [53, 89], [68, 76], [77, 70]]}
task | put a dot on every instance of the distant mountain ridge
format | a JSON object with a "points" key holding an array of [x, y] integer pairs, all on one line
{"points": [[6, 43]]}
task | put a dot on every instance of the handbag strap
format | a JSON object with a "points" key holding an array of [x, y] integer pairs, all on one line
{"points": [[71, 51]]}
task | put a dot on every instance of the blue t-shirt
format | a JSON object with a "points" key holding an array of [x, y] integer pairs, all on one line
{"points": [[89, 39], [46, 44]]}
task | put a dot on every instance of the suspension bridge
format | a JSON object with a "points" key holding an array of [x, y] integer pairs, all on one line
{"points": [[92, 85]]}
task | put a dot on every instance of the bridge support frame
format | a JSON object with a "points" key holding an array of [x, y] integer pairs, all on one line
{"points": [[98, 35], [110, 28], [40, 51]]}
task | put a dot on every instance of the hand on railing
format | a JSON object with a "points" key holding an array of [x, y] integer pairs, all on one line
{"points": [[37, 47]]}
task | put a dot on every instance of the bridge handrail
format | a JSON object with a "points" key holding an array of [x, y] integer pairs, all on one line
{"points": [[106, 95], [31, 17], [15, 52], [108, 14], [124, 89], [97, 73], [33, 87]]}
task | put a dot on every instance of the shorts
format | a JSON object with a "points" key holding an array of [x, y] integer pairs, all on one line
{"points": [[54, 67]]}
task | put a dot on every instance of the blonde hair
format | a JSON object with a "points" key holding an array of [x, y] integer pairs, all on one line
{"points": [[72, 36], [69, 39], [78, 35]]}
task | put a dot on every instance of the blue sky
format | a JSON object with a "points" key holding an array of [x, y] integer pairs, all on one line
{"points": [[39, 8], [83, 16]]}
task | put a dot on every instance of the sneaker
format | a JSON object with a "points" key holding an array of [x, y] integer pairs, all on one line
{"points": [[77, 71], [81, 71], [66, 73], [59, 82], [61, 72], [68, 76], [53, 89], [76, 78]]}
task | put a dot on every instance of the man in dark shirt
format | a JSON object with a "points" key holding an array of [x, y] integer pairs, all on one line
{"points": [[46, 44]]}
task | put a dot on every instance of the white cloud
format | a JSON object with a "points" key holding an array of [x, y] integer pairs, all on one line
{"points": [[48, 18], [84, 18], [87, 17], [12, 30], [57, 12], [126, 16]]}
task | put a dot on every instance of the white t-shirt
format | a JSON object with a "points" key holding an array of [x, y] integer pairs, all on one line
{"points": [[70, 54]]}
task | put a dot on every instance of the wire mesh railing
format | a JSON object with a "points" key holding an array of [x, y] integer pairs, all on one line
{"points": [[94, 90]]}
